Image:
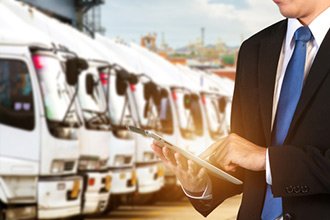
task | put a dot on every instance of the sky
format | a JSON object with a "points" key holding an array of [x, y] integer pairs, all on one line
{"points": [[180, 21]]}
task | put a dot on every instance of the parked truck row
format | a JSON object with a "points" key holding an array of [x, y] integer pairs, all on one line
{"points": [[65, 102]]}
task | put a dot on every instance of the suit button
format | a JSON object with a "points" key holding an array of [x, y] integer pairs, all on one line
{"points": [[289, 189], [287, 216], [296, 189], [305, 189]]}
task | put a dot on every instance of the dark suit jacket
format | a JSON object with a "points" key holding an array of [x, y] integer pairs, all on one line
{"points": [[301, 167]]}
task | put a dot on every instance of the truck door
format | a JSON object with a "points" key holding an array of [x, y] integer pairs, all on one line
{"points": [[19, 136]]}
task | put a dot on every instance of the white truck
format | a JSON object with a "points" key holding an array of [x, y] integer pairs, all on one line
{"points": [[121, 145], [94, 135], [212, 104], [167, 111], [39, 126], [189, 130], [226, 89], [141, 106]]}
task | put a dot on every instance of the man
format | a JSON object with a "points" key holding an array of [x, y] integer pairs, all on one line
{"points": [[280, 145]]}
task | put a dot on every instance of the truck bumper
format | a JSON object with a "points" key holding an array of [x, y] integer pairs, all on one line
{"points": [[97, 193], [59, 197], [124, 180], [26, 212], [150, 177]]}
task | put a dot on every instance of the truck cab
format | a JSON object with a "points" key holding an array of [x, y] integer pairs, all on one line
{"points": [[121, 144], [38, 141], [94, 140], [149, 170], [93, 136]]}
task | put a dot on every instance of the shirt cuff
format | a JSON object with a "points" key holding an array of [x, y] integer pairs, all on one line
{"points": [[269, 180], [207, 194]]}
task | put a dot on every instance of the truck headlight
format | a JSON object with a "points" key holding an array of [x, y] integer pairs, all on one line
{"points": [[28, 212], [60, 166], [57, 166], [92, 163], [121, 160], [148, 156], [89, 164], [123, 134], [104, 163]]}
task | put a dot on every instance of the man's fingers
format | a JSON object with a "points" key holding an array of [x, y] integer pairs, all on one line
{"points": [[192, 168], [158, 143], [230, 167], [181, 161], [201, 173], [169, 155], [221, 156], [212, 148], [159, 152], [225, 161]]}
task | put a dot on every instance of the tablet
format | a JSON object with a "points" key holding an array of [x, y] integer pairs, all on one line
{"points": [[209, 167]]}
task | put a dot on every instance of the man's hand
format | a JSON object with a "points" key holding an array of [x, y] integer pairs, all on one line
{"points": [[234, 151], [191, 176]]}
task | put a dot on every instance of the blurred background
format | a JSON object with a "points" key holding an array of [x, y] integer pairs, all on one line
{"points": [[198, 33], [75, 73]]}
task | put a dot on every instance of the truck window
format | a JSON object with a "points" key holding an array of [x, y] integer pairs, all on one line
{"points": [[186, 122], [215, 117], [147, 110], [16, 97], [165, 114], [94, 106], [196, 113], [119, 107]]}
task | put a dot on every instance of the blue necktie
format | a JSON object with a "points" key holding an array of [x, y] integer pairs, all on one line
{"points": [[289, 97]]}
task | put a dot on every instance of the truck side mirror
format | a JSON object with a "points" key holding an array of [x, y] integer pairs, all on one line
{"points": [[194, 97], [133, 79], [156, 95], [74, 67], [149, 89], [121, 85], [89, 84], [187, 101], [222, 104], [163, 93]]}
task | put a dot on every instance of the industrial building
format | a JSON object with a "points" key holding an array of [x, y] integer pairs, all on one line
{"points": [[85, 15]]}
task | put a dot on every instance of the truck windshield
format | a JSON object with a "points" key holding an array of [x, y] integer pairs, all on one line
{"points": [[146, 109], [120, 111], [56, 92], [165, 113], [93, 105], [189, 114], [215, 119]]}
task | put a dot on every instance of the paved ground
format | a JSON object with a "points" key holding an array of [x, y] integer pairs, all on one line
{"points": [[174, 211]]}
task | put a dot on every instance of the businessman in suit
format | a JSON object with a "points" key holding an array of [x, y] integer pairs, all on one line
{"points": [[280, 141]]}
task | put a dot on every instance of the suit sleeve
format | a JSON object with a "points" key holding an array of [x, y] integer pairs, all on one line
{"points": [[221, 190], [299, 171]]}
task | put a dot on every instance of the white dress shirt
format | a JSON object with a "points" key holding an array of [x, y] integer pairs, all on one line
{"points": [[319, 28]]}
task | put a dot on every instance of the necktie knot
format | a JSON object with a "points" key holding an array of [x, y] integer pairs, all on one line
{"points": [[303, 34]]}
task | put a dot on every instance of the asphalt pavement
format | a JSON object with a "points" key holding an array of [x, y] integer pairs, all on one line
{"points": [[180, 210]]}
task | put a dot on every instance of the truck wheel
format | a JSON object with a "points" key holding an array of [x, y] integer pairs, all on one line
{"points": [[113, 204], [145, 199]]}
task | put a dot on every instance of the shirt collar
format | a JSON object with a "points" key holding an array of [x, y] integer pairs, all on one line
{"points": [[319, 28]]}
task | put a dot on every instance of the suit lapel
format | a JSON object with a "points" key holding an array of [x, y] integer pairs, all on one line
{"points": [[269, 54], [319, 70]]}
